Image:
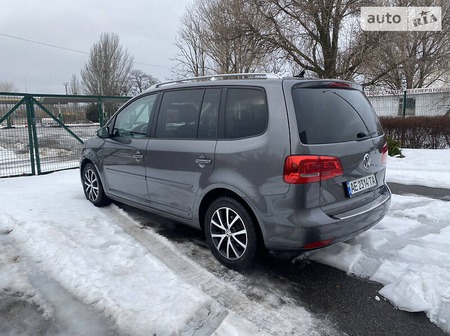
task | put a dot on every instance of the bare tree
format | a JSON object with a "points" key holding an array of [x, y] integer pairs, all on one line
{"points": [[191, 55], [231, 46], [74, 85], [108, 66], [322, 36], [215, 38], [7, 86], [138, 81]]}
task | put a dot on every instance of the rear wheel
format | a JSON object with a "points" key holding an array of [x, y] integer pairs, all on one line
{"points": [[231, 233], [92, 186]]}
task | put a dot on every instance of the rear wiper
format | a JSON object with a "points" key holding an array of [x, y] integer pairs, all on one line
{"points": [[362, 136]]}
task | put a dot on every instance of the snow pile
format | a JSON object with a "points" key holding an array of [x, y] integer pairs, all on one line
{"points": [[7, 155], [426, 167], [408, 252], [47, 221]]}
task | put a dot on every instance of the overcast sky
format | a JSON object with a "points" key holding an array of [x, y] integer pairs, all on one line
{"points": [[146, 28]]}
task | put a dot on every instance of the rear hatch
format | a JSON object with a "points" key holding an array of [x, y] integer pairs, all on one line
{"points": [[336, 120]]}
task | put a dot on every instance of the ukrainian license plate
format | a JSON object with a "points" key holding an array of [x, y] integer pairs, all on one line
{"points": [[359, 185]]}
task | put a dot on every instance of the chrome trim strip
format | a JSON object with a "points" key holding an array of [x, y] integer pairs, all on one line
{"points": [[363, 212]]}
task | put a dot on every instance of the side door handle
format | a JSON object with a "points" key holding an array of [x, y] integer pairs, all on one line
{"points": [[138, 156], [202, 161]]}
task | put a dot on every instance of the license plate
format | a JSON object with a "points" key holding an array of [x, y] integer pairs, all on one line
{"points": [[359, 185]]}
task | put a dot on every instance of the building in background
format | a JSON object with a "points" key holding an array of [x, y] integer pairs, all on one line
{"points": [[419, 102]]}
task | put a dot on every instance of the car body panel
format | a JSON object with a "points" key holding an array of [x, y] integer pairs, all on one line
{"points": [[123, 164], [175, 171]]}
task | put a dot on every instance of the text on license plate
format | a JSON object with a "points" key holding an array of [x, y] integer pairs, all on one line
{"points": [[361, 184]]}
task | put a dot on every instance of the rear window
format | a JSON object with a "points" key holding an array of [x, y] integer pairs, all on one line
{"points": [[330, 115]]}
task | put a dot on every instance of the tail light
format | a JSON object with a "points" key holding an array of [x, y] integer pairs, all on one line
{"points": [[301, 169], [384, 154]]}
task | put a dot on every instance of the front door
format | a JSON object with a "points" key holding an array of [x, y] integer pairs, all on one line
{"points": [[124, 154]]}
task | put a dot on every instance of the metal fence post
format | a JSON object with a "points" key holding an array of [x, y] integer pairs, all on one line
{"points": [[100, 111], [403, 118], [35, 138], [31, 127], [404, 104]]}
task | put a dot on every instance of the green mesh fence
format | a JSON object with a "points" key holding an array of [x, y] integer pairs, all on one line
{"points": [[45, 133]]}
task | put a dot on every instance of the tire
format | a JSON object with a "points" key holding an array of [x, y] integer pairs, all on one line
{"points": [[231, 233], [93, 187]]}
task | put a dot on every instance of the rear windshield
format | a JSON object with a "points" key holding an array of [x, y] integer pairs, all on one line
{"points": [[330, 115]]}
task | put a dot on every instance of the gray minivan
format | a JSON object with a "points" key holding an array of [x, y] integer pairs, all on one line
{"points": [[253, 160]]}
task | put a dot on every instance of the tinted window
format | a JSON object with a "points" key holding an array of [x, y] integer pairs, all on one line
{"points": [[245, 112], [334, 115], [179, 114], [133, 119]]}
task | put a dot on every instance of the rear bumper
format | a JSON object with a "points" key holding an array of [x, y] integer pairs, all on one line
{"points": [[299, 229]]}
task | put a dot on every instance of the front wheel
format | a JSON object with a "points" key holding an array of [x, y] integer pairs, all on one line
{"points": [[231, 233], [92, 186]]}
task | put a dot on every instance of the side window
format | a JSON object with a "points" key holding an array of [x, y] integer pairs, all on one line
{"points": [[207, 128], [245, 112], [179, 114], [133, 120]]}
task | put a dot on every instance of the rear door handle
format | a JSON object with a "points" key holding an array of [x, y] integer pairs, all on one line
{"points": [[202, 161]]}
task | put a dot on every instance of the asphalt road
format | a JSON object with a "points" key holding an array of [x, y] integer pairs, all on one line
{"points": [[437, 193]]}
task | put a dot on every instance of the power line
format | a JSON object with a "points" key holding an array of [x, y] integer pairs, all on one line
{"points": [[70, 49], [44, 44]]}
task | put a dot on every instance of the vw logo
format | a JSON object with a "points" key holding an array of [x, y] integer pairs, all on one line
{"points": [[366, 161]]}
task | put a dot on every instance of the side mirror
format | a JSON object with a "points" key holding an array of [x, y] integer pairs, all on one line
{"points": [[103, 132]]}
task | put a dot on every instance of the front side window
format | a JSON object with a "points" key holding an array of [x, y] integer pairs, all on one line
{"points": [[133, 120], [246, 113]]}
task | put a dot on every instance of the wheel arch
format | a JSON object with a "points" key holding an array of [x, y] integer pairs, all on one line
{"points": [[83, 164], [223, 192]]}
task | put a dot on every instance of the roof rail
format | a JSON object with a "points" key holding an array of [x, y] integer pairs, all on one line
{"points": [[221, 76]]}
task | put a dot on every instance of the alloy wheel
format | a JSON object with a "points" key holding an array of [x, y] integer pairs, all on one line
{"points": [[91, 185], [228, 233]]}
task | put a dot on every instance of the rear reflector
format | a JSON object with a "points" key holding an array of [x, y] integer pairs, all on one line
{"points": [[384, 154], [302, 169], [318, 244]]}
